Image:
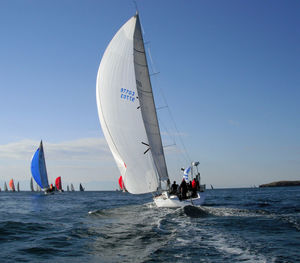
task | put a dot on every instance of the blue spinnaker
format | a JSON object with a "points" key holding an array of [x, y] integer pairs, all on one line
{"points": [[35, 170], [38, 168]]}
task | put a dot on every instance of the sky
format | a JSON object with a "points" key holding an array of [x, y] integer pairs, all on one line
{"points": [[229, 71]]}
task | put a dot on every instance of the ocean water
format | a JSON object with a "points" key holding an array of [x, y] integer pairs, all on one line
{"points": [[235, 225]]}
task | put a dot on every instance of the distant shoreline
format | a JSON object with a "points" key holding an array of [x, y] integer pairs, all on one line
{"points": [[281, 183]]}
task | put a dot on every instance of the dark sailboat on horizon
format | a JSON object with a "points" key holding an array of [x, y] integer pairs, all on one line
{"points": [[81, 189]]}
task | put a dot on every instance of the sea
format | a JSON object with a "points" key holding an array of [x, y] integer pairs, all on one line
{"points": [[234, 225]]}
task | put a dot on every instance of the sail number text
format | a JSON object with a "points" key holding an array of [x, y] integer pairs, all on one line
{"points": [[127, 94]]}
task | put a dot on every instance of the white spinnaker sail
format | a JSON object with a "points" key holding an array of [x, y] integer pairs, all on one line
{"points": [[119, 109]]}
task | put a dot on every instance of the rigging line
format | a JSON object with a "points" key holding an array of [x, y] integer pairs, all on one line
{"points": [[169, 145], [175, 126], [155, 73], [167, 131], [162, 107], [165, 101], [151, 60], [136, 7], [164, 98]]}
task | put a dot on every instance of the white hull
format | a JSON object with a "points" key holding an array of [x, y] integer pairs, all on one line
{"points": [[166, 200]]}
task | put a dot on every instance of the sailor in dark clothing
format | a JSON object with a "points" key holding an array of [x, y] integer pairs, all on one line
{"points": [[194, 188], [50, 189], [174, 188], [183, 189]]}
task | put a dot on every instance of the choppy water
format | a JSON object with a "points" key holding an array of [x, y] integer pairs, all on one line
{"points": [[235, 225]]}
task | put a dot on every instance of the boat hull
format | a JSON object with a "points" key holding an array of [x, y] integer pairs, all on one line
{"points": [[166, 200]]}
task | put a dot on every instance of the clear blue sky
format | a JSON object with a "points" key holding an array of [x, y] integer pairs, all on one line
{"points": [[230, 71]]}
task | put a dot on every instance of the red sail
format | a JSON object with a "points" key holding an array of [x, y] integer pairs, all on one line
{"points": [[58, 183], [121, 182], [12, 185]]}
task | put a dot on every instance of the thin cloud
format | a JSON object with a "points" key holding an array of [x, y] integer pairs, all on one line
{"points": [[81, 149]]}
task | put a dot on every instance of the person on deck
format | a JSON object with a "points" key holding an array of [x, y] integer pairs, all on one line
{"points": [[194, 188], [174, 188], [51, 188], [183, 189]]}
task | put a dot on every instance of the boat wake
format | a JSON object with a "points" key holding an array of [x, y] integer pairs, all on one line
{"points": [[194, 211]]}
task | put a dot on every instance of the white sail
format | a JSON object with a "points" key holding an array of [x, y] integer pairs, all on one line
{"points": [[147, 103], [127, 113]]}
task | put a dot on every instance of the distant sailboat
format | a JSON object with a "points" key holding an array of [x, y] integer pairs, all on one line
{"points": [[72, 188], [121, 184], [12, 185], [81, 188], [18, 187], [5, 187], [128, 117], [68, 189], [58, 184], [31, 185], [211, 187], [38, 169]]}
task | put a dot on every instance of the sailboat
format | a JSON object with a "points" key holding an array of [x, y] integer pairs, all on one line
{"points": [[128, 116], [38, 169], [12, 185], [31, 185], [121, 184], [18, 187], [68, 189], [58, 184], [81, 189], [5, 187], [72, 188]]}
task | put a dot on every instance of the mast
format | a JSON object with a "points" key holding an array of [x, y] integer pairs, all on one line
{"points": [[31, 185], [146, 98], [42, 166]]}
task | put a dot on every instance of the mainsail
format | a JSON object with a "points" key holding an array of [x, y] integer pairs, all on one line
{"points": [[127, 111], [5, 187], [38, 168]]}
